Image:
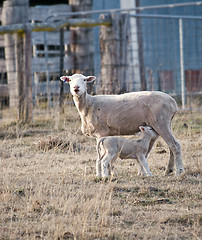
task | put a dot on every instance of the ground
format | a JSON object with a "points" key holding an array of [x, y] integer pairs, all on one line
{"points": [[48, 188]]}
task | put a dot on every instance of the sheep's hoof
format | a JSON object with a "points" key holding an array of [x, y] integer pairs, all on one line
{"points": [[109, 179], [168, 172], [105, 179], [98, 179], [178, 173]]}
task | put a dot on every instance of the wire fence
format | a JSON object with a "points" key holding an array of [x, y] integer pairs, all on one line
{"points": [[149, 52]]}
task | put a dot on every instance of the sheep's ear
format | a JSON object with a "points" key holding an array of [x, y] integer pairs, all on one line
{"points": [[90, 79], [65, 78], [141, 128]]}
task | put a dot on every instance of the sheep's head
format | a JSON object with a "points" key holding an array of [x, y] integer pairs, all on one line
{"points": [[77, 83], [149, 131]]}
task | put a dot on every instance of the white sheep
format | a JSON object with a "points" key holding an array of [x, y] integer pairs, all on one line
{"points": [[111, 147], [108, 115]]}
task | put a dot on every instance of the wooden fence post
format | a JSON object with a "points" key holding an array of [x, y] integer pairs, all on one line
{"points": [[113, 50], [19, 75], [28, 114], [18, 55], [61, 100], [82, 49], [140, 49]]}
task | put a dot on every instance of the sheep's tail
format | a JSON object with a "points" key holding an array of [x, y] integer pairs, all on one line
{"points": [[100, 141]]}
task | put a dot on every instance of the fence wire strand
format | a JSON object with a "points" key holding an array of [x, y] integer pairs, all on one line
{"points": [[153, 51]]}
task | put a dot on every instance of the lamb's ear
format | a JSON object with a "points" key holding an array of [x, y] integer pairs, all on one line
{"points": [[90, 79], [141, 128], [65, 78]]}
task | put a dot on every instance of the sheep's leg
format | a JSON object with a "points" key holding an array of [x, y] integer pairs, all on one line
{"points": [[110, 167], [175, 149], [98, 167], [99, 159], [105, 164], [170, 167], [142, 160], [151, 144], [112, 171], [141, 170]]}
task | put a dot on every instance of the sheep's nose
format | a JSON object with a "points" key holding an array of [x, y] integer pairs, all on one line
{"points": [[76, 88]]}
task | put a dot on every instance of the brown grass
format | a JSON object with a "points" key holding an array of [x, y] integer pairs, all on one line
{"points": [[48, 188]]}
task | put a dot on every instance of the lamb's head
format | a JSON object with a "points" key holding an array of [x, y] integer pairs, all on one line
{"points": [[78, 83], [147, 130]]}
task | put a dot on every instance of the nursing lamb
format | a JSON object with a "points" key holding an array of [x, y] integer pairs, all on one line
{"points": [[108, 115], [110, 148]]}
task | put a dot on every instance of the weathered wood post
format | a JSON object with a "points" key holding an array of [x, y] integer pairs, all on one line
{"points": [[28, 114], [61, 101], [82, 49], [18, 55], [113, 50], [140, 49]]}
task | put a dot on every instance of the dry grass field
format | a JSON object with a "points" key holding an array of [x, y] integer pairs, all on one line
{"points": [[48, 188]]}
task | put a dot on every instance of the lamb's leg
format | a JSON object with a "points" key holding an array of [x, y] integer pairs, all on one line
{"points": [[141, 171], [175, 148], [106, 160], [111, 169], [99, 159], [98, 167], [142, 160]]}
